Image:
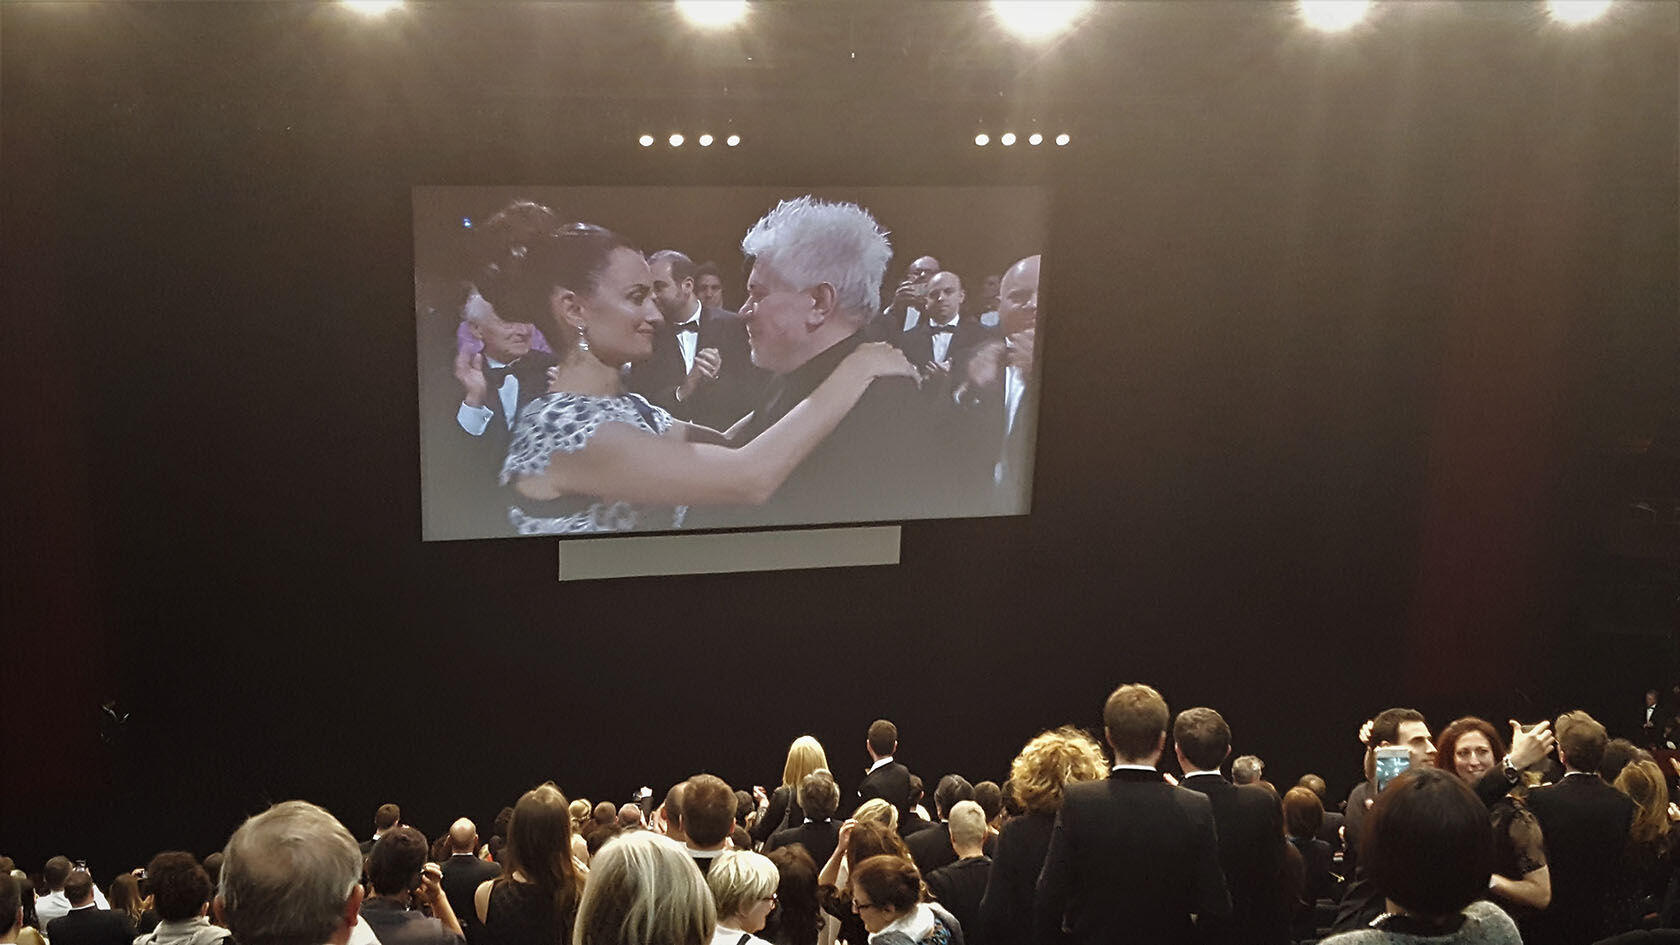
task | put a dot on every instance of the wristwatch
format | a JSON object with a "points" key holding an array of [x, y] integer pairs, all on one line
{"points": [[1512, 774]]}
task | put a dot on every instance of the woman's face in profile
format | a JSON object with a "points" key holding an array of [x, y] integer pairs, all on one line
{"points": [[620, 314], [1472, 756]]}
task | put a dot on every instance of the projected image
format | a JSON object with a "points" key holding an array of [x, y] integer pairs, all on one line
{"points": [[666, 359]]}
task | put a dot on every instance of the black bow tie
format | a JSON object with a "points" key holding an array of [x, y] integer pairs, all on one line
{"points": [[494, 376], [943, 329], [692, 324]]}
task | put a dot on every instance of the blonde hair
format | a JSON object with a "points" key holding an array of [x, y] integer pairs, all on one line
{"points": [[805, 756], [1051, 760], [644, 888], [968, 824], [1644, 783], [878, 810], [740, 878]]}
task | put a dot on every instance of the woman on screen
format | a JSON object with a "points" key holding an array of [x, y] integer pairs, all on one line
{"points": [[589, 457]]}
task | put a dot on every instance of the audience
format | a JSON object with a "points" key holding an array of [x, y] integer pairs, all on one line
{"points": [[290, 876], [643, 890], [708, 818], [886, 778], [535, 900], [743, 887], [1302, 817], [1429, 849], [781, 809], [387, 817], [464, 872], [85, 923], [29, 932], [1330, 830], [859, 840], [126, 899], [55, 904], [1247, 769], [887, 893], [797, 918], [818, 797], [1650, 852], [990, 798], [1471, 748], [181, 895], [960, 885], [931, 848]]}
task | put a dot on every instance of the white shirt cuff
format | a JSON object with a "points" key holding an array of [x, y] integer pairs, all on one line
{"points": [[474, 420]]}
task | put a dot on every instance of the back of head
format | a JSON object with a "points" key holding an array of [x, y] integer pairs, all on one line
{"points": [[739, 879], [55, 873], [799, 914], [463, 836], [872, 839], [213, 869], [1049, 762], [1643, 782], [539, 845], [387, 816], [605, 812], [642, 889], [804, 756], [889, 881], [1204, 738], [1315, 784], [673, 807], [806, 242], [521, 273], [287, 875], [1302, 812], [78, 887], [629, 815], [1618, 753], [1385, 728], [818, 795], [883, 737], [11, 900], [125, 896], [1581, 739], [708, 810], [1135, 716], [581, 811], [744, 805], [394, 865], [952, 788], [990, 798], [1247, 769], [968, 824], [179, 886], [877, 811], [1427, 843]]}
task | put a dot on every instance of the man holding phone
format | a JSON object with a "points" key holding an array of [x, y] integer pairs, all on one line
{"points": [[1399, 739]]}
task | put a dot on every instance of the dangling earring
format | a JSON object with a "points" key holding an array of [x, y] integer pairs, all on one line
{"points": [[582, 341]]}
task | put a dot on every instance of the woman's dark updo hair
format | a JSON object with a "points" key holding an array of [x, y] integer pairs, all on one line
{"points": [[527, 255]]}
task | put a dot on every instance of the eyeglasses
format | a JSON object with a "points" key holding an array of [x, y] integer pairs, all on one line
{"points": [[858, 905]]}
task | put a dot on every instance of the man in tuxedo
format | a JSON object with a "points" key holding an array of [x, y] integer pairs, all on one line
{"points": [[708, 817], [1651, 722], [86, 923], [1251, 837], [1132, 858], [387, 818], [1585, 822], [813, 287], [708, 286], [53, 903], [701, 369], [931, 848], [961, 884], [909, 301], [1363, 901], [291, 874], [886, 778], [496, 383], [998, 383], [463, 871], [943, 336]]}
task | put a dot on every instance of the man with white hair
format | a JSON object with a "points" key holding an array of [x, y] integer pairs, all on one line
{"points": [[961, 884], [814, 287], [291, 876]]}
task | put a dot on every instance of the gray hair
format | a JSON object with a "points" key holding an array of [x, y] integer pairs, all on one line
{"points": [[1247, 769], [287, 875], [740, 878], [644, 888], [806, 241], [476, 309], [968, 824]]}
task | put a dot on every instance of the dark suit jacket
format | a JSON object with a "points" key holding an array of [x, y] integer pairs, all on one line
{"points": [[891, 783], [1251, 841], [818, 839], [716, 404], [931, 848], [917, 343], [91, 927], [783, 812], [463, 497], [959, 886], [1006, 911], [1585, 822], [462, 874], [1131, 859]]}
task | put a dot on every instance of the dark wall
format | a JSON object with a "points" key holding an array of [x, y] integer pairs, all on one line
{"points": [[1338, 332]]}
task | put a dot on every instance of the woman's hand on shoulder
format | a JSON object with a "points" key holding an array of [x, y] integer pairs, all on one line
{"points": [[875, 359]]}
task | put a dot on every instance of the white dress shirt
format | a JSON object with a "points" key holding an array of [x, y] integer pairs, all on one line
{"points": [[475, 420], [689, 341], [942, 340]]}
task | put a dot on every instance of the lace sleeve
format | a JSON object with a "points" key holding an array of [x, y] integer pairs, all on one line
{"points": [[1527, 841]]}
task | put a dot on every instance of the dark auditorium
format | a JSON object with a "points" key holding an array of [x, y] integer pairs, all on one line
{"points": [[583, 472]]}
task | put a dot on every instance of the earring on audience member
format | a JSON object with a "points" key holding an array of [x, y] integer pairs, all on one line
{"points": [[582, 340]]}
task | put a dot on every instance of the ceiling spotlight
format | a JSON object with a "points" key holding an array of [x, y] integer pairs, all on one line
{"points": [[646, 141], [1038, 19], [1333, 16], [1576, 11], [372, 7], [1008, 139], [713, 13], [982, 139], [1035, 139], [705, 141], [732, 140], [676, 141], [1062, 140]]}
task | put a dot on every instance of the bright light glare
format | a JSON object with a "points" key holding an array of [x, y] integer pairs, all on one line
{"points": [[1577, 11], [1008, 139], [1035, 139], [732, 140], [1333, 15], [982, 139], [646, 141], [713, 13], [1062, 140], [1038, 19], [705, 141], [372, 7], [676, 141]]}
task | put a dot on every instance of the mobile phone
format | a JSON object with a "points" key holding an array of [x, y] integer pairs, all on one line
{"points": [[1392, 760]]}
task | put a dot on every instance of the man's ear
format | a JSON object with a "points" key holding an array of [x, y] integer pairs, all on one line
{"points": [[220, 909], [822, 305], [475, 331], [352, 914], [1227, 751]]}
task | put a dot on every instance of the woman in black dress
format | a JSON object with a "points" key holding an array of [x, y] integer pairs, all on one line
{"points": [[535, 900]]}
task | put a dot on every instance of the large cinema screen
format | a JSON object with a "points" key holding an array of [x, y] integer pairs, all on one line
{"points": [[670, 359]]}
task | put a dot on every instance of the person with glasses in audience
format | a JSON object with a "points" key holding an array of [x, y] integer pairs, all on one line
{"points": [[744, 887], [887, 894]]}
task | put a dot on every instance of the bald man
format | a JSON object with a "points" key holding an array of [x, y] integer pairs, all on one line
{"points": [[944, 334], [1000, 382], [462, 872]]}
